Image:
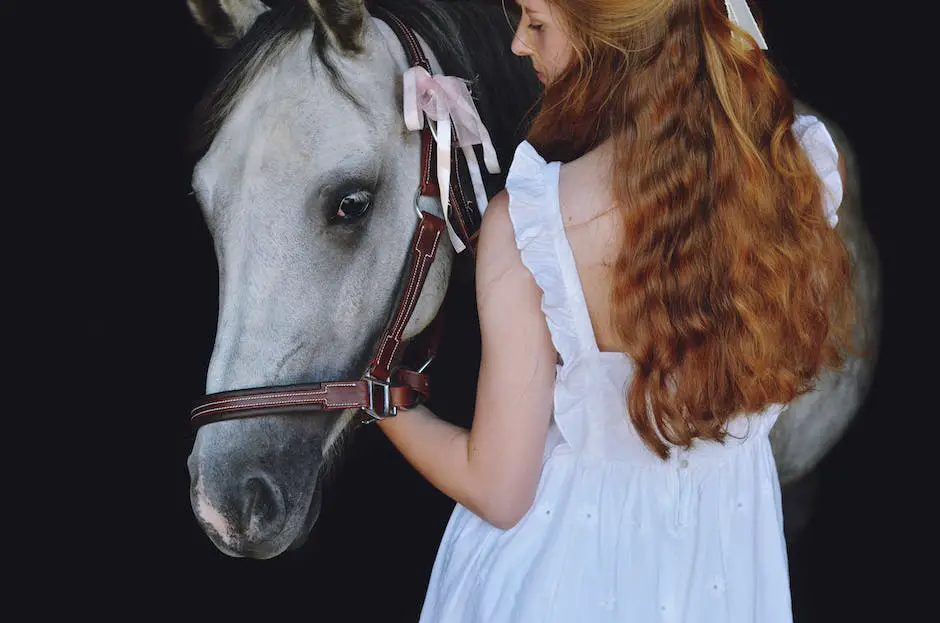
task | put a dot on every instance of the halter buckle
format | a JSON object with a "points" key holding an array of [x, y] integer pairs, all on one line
{"points": [[387, 410]]}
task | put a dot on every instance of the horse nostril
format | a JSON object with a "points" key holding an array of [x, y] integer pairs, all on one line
{"points": [[263, 513]]}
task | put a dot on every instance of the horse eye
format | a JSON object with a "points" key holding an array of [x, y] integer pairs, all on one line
{"points": [[354, 206]]}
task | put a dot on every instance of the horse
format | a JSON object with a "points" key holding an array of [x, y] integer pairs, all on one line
{"points": [[307, 185]]}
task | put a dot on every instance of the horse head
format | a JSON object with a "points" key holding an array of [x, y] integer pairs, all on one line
{"points": [[308, 189]]}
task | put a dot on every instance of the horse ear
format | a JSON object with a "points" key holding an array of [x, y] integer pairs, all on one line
{"points": [[343, 20], [226, 21]]}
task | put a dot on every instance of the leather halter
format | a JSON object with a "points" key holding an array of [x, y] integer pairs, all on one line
{"points": [[386, 385]]}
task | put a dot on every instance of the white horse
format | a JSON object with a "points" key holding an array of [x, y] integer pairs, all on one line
{"points": [[308, 190]]}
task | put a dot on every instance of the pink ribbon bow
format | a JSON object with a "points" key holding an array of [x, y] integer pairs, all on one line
{"points": [[446, 100]]}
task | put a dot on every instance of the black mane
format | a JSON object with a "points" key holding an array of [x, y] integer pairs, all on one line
{"points": [[470, 40]]}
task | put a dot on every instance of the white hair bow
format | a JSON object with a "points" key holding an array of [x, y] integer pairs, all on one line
{"points": [[740, 14]]}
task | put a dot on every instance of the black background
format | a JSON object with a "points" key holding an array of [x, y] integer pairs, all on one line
{"points": [[124, 77]]}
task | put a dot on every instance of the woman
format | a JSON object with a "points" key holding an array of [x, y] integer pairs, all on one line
{"points": [[659, 278]]}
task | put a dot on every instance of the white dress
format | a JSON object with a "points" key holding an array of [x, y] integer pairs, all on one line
{"points": [[615, 533]]}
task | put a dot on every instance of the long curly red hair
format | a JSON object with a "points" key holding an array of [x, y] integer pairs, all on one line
{"points": [[731, 292]]}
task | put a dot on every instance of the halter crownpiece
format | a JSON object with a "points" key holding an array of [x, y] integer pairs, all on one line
{"points": [[740, 14], [446, 100]]}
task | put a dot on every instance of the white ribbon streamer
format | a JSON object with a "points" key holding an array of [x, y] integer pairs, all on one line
{"points": [[740, 13]]}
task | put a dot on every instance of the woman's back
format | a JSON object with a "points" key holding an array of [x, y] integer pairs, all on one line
{"points": [[595, 233]]}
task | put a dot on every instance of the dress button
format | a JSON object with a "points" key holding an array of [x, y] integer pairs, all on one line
{"points": [[683, 463]]}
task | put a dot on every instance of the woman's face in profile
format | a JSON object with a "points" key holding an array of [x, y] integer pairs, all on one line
{"points": [[540, 37]]}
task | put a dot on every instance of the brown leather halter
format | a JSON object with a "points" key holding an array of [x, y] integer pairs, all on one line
{"points": [[386, 385]]}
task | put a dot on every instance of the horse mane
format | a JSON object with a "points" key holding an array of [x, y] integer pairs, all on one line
{"points": [[502, 84]]}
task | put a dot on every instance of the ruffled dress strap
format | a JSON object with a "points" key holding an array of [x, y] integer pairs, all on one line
{"points": [[532, 184], [821, 150]]}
